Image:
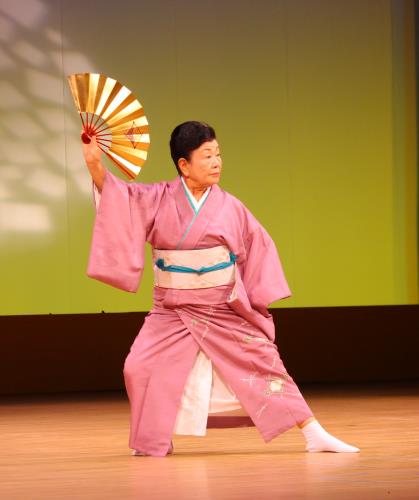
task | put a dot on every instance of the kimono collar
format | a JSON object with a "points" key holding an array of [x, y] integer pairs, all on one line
{"points": [[195, 223], [196, 204]]}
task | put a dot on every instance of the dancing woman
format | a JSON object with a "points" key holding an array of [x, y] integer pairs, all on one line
{"points": [[205, 355]]}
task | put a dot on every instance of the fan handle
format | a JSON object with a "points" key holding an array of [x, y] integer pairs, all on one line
{"points": [[86, 138]]}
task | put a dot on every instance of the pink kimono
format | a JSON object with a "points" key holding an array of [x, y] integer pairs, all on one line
{"points": [[229, 324]]}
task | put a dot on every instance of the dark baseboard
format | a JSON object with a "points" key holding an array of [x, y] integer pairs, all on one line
{"points": [[86, 352]]}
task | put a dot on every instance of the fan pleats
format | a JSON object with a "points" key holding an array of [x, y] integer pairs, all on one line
{"points": [[109, 111]]}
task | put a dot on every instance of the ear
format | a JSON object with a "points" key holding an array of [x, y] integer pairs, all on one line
{"points": [[183, 166]]}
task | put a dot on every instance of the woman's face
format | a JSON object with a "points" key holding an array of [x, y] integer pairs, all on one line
{"points": [[204, 166]]}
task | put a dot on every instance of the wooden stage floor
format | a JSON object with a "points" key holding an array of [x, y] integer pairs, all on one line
{"points": [[75, 447]]}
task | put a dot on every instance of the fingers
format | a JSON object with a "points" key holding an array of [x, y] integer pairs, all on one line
{"points": [[91, 151], [86, 138], [89, 141]]}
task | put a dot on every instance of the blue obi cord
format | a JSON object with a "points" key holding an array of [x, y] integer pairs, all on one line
{"points": [[182, 269]]}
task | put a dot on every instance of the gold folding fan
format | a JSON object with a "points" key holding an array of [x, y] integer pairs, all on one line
{"points": [[111, 113]]}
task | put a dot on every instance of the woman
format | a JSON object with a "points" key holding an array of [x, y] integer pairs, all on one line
{"points": [[205, 355]]}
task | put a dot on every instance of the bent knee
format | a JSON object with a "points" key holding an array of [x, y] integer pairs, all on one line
{"points": [[130, 366], [135, 367]]}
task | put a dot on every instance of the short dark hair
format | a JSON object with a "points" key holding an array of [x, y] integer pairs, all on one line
{"points": [[189, 136]]}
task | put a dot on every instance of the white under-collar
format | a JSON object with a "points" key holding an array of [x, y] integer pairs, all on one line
{"points": [[195, 203]]}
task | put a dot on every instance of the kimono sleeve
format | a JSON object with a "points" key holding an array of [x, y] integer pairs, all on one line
{"points": [[263, 275], [124, 212]]}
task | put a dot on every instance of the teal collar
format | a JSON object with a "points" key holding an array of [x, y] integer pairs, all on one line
{"points": [[195, 204]]}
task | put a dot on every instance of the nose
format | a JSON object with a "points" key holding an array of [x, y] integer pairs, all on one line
{"points": [[216, 163]]}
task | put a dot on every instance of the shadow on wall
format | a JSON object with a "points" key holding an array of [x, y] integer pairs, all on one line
{"points": [[35, 125]]}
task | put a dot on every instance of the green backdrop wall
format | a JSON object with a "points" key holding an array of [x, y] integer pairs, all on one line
{"points": [[313, 102]]}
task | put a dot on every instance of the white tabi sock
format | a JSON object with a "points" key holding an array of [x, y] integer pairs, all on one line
{"points": [[138, 453], [317, 439]]}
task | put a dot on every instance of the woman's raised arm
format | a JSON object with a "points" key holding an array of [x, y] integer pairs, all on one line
{"points": [[92, 155]]}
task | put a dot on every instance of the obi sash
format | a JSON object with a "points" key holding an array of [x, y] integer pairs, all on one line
{"points": [[191, 269]]}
